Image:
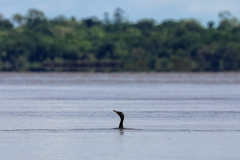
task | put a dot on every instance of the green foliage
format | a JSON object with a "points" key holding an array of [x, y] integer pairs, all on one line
{"points": [[5, 24], [65, 44]]}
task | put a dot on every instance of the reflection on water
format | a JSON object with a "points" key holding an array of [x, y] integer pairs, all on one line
{"points": [[169, 116], [121, 131]]}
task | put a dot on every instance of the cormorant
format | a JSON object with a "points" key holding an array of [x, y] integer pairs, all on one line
{"points": [[121, 115]]}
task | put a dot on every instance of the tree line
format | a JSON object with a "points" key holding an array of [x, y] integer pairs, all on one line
{"points": [[33, 42]]}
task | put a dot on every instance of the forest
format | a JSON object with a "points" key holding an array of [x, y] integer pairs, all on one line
{"points": [[33, 42]]}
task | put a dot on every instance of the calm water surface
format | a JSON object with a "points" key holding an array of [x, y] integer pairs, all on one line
{"points": [[68, 116]]}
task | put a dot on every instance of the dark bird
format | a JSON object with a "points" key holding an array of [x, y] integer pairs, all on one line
{"points": [[121, 115]]}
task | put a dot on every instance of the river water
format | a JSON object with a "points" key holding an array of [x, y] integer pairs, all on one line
{"points": [[68, 116]]}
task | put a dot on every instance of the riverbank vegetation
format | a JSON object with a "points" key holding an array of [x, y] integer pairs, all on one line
{"points": [[33, 42]]}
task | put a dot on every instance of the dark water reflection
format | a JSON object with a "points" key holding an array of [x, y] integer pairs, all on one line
{"points": [[69, 116]]}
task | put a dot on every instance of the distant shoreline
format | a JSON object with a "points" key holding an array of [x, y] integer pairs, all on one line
{"points": [[117, 45]]}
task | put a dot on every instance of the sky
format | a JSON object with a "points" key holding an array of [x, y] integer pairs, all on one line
{"points": [[135, 10]]}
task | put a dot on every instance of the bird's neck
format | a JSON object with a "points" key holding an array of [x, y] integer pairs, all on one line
{"points": [[121, 123]]}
